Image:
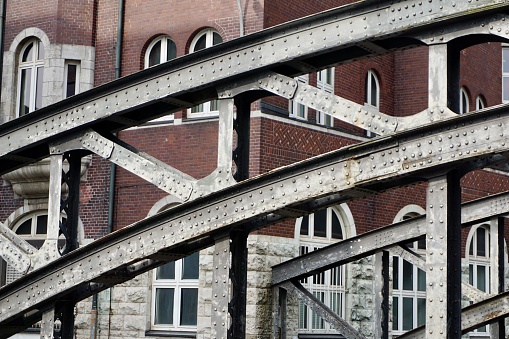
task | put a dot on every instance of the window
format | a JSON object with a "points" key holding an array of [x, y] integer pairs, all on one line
{"points": [[30, 77], [372, 89], [297, 110], [408, 284], [72, 78], [464, 101], [175, 295], [160, 50], [315, 231], [325, 82], [505, 74], [205, 39], [479, 103], [479, 265]]}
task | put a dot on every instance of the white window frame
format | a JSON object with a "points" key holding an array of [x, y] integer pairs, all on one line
{"points": [[505, 73], [479, 103], [164, 50], [76, 63], [164, 39], [370, 77], [297, 110], [323, 291], [474, 262], [464, 101], [325, 82], [34, 65], [206, 109], [177, 285]]}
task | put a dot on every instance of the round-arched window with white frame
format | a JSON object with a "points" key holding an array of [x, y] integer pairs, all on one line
{"points": [[160, 50], [30, 77]]}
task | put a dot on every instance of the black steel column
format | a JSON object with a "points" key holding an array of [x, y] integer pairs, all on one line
{"points": [[70, 204], [242, 127], [238, 278]]}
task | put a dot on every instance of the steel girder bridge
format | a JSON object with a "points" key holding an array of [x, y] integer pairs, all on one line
{"points": [[436, 145]]}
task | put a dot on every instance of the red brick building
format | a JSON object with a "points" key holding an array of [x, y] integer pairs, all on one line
{"points": [[54, 49]]}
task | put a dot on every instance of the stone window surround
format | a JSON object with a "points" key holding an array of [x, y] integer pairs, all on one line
{"points": [[56, 56]]}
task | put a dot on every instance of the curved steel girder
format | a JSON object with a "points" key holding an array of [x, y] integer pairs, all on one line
{"points": [[391, 161]]}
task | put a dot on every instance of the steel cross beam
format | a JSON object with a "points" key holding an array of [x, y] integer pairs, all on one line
{"points": [[471, 140], [194, 78], [383, 238]]}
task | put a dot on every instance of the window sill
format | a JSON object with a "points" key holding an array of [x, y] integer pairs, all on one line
{"points": [[320, 336], [171, 334]]}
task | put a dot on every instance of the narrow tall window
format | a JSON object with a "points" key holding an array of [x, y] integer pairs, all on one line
{"points": [[464, 101], [30, 77], [297, 110], [175, 295], [505, 74], [205, 39], [325, 82], [71, 78], [479, 265], [319, 230], [372, 89], [479, 103]]}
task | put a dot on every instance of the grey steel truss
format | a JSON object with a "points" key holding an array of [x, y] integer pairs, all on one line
{"points": [[434, 145]]}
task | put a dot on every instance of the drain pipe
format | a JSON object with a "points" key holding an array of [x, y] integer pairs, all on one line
{"points": [[3, 4], [241, 17], [111, 197]]}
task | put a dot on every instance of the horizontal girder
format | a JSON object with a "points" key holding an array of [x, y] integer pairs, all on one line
{"points": [[402, 158]]}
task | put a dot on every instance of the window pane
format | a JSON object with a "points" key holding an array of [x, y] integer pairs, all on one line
{"points": [[216, 39], [154, 57], [395, 313], [395, 273], [320, 223], [166, 271], [408, 314], [481, 278], [505, 60], [38, 89], [336, 227], [164, 306], [303, 315], [374, 91], [201, 43], [481, 242], [408, 276], [42, 224], [171, 50], [190, 266], [25, 227], [471, 248], [421, 311], [189, 306], [316, 321], [198, 108], [40, 54], [505, 86], [28, 53], [304, 226], [471, 274], [214, 105], [421, 280], [71, 80], [25, 89]]}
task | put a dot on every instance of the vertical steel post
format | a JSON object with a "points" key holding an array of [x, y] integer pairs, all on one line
{"points": [[220, 289], [497, 265], [238, 278], [242, 127], [48, 324], [225, 136], [50, 246], [437, 78], [70, 205], [65, 311], [381, 323], [443, 257]]}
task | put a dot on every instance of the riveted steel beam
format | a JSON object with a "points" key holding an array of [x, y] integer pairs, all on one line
{"points": [[469, 140], [14, 250], [474, 316], [380, 239], [322, 310], [149, 94]]}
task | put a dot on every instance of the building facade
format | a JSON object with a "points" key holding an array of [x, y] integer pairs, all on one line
{"points": [[55, 49]]}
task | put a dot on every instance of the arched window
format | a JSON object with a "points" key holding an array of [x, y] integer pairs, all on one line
{"points": [[372, 89], [30, 77], [205, 39], [479, 264], [315, 231], [464, 101], [325, 82], [408, 283], [175, 289], [479, 103], [160, 50]]}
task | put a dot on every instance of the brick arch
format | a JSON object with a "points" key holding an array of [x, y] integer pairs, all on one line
{"points": [[148, 42], [193, 35]]}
